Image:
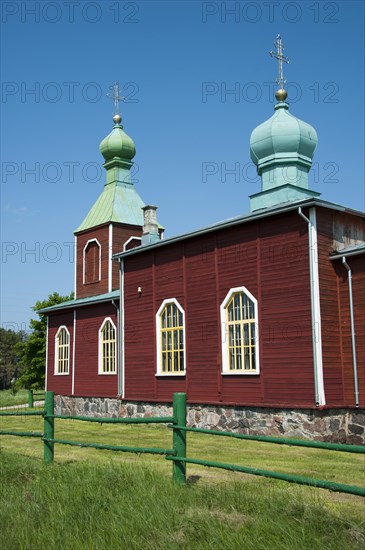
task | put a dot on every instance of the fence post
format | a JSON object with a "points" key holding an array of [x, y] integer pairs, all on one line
{"points": [[179, 437], [48, 427], [30, 399]]}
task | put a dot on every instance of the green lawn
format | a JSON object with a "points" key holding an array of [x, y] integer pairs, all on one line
{"points": [[120, 500], [321, 464], [131, 504]]}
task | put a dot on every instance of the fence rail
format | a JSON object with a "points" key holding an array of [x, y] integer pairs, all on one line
{"points": [[177, 422], [282, 440], [32, 394]]}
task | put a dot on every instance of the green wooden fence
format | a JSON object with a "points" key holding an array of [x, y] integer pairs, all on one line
{"points": [[177, 454], [32, 394]]}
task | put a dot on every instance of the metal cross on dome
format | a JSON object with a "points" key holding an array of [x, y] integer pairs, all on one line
{"points": [[280, 57], [114, 95]]}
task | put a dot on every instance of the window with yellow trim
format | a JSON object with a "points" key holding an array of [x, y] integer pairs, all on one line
{"points": [[62, 351], [239, 333], [170, 339], [107, 348]]}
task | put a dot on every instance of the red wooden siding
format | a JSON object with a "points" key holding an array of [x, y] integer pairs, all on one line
{"points": [[335, 309], [121, 233], [285, 313], [60, 384], [87, 380], [139, 330], [269, 258], [357, 265], [101, 286]]}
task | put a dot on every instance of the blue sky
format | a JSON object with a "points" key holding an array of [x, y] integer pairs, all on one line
{"points": [[178, 63]]}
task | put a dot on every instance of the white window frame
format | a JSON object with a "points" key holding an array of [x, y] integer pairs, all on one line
{"points": [[84, 261], [159, 371], [131, 239], [224, 334], [56, 354], [100, 350]]}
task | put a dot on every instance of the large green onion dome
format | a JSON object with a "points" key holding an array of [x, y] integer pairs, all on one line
{"points": [[282, 139]]}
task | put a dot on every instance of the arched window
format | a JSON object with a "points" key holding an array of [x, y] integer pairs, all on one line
{"points": [[170, 335], [62, 351], [239, 333], [92, 263], [107, 348]]}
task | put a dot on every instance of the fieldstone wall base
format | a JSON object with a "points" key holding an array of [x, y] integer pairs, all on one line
{"points": [[334, 425]]}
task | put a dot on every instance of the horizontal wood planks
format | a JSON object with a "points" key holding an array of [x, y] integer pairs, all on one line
{"points": [[335, 308], [269, 258], [61, 384], [86, 378], [120, 234]]}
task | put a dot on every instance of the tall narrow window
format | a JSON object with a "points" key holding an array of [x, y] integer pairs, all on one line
{"points": [[239, 333], [170, 338], [62, 351], [107, 347], [92, 262]]}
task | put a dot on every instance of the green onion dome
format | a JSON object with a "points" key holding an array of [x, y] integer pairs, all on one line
{"points": [[117, 144], [282, 139]]}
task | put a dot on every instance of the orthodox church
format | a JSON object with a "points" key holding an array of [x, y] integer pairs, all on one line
{"points": [[260, 319]]}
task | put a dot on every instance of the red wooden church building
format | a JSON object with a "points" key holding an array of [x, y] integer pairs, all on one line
{"points": [[260, 319]]}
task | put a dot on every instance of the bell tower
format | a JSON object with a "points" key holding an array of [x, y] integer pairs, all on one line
{"points": [[115, 219]]}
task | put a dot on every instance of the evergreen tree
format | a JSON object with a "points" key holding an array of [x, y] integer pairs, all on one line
{"points": [[9, 365]]}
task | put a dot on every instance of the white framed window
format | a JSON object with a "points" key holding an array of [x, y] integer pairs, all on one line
{"points": [[92, 261], [107, 347], [62, 351], [239, 322], [170, 339]]}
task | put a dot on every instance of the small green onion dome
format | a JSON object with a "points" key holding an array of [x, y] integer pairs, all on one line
{"points": [[117, 144], [282, 137]]}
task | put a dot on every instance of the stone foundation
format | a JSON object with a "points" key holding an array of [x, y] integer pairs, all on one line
{"points": [[335, 425]]}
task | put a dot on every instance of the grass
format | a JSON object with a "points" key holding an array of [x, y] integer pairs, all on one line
{"points": [[122, 500], [321, 464], [8, 398], [90, 505]]}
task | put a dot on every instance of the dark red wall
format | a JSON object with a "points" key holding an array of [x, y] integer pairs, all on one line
{"points": [[60, 384], [87, 380], [335, 309], [269, 258], [121, 233]]}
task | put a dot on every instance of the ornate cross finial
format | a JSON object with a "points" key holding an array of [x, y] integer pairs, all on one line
{"points": [[114, 95], [280, 57]]}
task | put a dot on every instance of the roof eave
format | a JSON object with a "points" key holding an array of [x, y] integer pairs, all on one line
{"points": [[81, 302], [260, 214], [339, 255]]}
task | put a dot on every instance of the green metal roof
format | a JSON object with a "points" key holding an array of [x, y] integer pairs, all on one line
{"points": [[90, 300], [119, 202]]}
